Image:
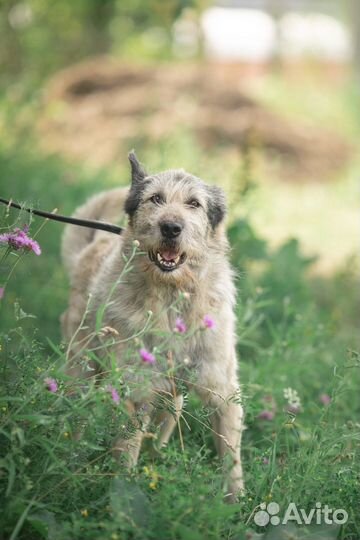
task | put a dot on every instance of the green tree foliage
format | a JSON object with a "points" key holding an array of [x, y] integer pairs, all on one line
{"points": [[40, 36]]}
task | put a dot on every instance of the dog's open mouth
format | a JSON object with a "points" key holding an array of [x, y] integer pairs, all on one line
{"points": [[167, 259]]}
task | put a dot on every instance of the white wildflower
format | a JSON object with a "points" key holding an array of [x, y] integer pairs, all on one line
{"points": [[292, 398]]}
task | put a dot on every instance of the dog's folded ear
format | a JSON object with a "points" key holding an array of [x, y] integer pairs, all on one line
{"points": [[138, 172], [216, 205]]}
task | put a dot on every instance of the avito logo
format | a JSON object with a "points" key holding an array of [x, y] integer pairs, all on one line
{"points": [[268, 513]]}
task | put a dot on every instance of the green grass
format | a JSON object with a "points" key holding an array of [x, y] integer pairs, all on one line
{"points": [[294, 331]]}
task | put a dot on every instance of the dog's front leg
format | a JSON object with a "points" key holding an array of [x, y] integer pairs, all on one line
{"points": [[227, 425], [167, 421], [127, 447], [221, 394]]}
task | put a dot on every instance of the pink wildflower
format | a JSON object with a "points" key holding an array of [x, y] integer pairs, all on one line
{"points": [[266, 461], [325, 399], [266, 415], [180, 326], [2, 291], [114, 394], [19, 239], [147, 356], [51, 384], [208, 321]]}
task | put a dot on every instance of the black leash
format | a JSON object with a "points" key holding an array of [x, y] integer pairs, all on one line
{"points": [[92, 224]]}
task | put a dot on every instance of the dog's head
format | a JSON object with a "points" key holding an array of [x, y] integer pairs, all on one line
{"points": [[175, 217]]}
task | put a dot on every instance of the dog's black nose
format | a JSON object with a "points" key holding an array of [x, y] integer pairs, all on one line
{"points": [[170, 229]]}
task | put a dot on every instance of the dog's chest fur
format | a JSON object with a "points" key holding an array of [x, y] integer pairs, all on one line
{"points": [[138, 304]]}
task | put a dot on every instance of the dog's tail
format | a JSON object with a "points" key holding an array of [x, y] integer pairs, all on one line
{"points": [[106, 206]]}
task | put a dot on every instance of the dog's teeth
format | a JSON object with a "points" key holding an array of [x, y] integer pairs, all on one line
{"points": [[167, 263]]}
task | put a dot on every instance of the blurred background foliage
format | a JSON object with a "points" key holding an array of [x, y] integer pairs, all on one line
{"points": [[38, 37]]}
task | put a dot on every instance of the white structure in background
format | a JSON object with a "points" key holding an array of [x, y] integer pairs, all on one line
{"points": [[253, 35], [238, 34], [314, 35]]}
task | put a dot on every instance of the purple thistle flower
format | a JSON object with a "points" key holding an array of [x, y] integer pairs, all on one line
{"points": [[325, 399], [19, 239], [2, 292], [180, 326], [51, 384], [266, 415], [208, 321], [114, 394], [147, 356]]}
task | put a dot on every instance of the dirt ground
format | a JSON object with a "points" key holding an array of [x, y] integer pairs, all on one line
{"points": [[95, 109]]}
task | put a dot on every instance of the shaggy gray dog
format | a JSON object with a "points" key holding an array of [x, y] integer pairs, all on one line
{"points": [[180, 270]]}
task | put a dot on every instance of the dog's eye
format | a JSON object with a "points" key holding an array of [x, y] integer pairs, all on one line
{"points": [[156, 199], [193, 203]]}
